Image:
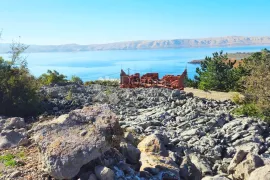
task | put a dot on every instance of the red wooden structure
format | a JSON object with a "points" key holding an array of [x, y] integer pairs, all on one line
{"points": [[152, 80]]}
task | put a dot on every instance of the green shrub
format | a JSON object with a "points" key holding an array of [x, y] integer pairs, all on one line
{"points": [[190, 83], [69, 95], [8, 160], [257, 82], [248, 110], [108, 92], [76, 79], [18, 90], [219, 74], [238, 98], [52, 77], [114, 83]]}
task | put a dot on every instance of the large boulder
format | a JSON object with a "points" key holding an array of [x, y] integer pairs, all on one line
{"points": [[73, 140], [154, 143], [188, 171], [155, 159], [12, 132], [13, 138], [245, 165], [130, 152], [201, 164], [262, 173], [238, 157], [14, 123]]}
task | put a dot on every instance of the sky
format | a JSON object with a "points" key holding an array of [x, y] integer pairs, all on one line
{"points": [[55, 22]]}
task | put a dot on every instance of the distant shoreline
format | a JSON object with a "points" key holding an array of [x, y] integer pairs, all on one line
{"points": [[234, 56], [229, 41]]}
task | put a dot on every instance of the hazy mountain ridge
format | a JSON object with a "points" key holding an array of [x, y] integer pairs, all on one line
{"points": [[157, 44]]}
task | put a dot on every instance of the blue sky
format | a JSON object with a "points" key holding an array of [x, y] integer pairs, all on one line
{"points": [[105, 21]]}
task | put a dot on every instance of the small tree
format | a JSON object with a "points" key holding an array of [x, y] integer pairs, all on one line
{"points": [[218, 73], [18, 90], [76, 79], [17, 48], [52, 77], [257, 83]]}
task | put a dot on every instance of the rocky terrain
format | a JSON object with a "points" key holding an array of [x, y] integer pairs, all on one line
{"points": [[155, 44], [105, 133]]}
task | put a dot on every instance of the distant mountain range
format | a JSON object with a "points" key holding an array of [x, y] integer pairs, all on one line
{"points": [[228, 41]]}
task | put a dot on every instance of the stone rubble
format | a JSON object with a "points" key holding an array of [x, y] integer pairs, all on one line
{"points": [[142, 134]]}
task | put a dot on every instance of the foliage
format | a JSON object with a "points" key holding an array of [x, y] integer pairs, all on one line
{"points": [[238, 99], [190, 82], [76, 79], [8, 160], [249, 109], [114, 83], [257, 82], [108, 92], [17, 48], [18, 90], [52, 77], [21, 155], [69, 95], [218, 73]]}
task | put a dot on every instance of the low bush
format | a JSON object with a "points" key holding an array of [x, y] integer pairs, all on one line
{"points": [[76, 79], [52, 77], [238, 98], [8, 160], [18, 90], [114, 83], [257, 82], [69, 95], [248, 110]]}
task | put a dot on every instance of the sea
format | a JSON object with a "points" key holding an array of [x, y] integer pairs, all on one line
{"points": [[94, 65]]}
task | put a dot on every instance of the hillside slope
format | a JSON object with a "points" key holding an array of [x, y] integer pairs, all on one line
{"points": [[157, 44]]}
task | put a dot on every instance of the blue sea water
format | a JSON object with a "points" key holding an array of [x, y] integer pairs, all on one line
{"points": [[94, 65]]}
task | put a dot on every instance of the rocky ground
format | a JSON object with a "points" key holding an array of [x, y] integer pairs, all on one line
{"points": [[108, 133]]}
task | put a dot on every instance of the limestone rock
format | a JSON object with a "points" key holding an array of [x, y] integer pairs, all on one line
{"points": [[238, 157], [261, 173], [202, 165], [64, 151], [104, 173], [153, 143], [243, 169], [12, 138], [130, 152], [159, 165], [15, 123], [129, 137], [154, 158], [217, 177], [188, 170]]}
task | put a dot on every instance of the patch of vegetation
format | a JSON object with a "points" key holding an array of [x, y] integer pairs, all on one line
{"points": [[108, 92], [190, 82], [238, 99], [114, 83], [248, 110], [18, 90], [69, 95], [8, 160], [257, 82], [76, 79], [251, 78], [21, 155], [218, 73], [52, 77]]}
